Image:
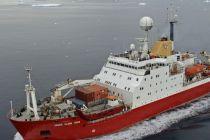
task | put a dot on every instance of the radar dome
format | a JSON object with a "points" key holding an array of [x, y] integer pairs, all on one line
{"points": [[132, 46], [146, 23]]}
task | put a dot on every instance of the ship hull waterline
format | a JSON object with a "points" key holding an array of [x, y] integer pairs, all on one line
{"points": [[77, 128]]}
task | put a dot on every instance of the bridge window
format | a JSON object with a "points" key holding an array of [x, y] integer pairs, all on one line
{"points": [[129, 78]]}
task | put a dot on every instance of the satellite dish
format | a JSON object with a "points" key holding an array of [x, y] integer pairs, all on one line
{"points": [[146, 23]]}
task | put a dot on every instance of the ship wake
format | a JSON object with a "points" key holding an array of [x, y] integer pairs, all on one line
{"points": [[161, 122], [157, 124]]}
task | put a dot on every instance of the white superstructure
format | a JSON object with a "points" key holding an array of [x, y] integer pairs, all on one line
{"points": [[140, 79]]}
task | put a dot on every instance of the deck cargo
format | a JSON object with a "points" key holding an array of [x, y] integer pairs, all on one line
{"points": [[91, 93]]}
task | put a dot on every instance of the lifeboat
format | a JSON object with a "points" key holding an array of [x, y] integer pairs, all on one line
{"points": [[95, 115], [193, 70]]}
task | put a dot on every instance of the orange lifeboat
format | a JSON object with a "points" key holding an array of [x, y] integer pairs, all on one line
{"points": [[193, 70]]}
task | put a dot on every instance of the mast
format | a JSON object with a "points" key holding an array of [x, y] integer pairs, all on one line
{"points": [[146, 24], [11, 109], [172, 18], [30, 95]]}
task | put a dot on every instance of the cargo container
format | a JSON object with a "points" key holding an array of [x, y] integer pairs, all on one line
{"points": [[91, 93]]}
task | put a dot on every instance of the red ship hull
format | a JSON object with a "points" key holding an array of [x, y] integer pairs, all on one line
{"points": [[77, 128]]}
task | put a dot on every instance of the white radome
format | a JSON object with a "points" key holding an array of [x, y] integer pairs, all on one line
{"points": [[132, 46], [146, 23]]}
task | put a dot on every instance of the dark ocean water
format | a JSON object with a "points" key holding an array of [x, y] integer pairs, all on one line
{"points": [[75, 39]]}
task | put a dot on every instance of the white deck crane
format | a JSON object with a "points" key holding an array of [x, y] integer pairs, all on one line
{"points": [[31, 95], [69, 84]]}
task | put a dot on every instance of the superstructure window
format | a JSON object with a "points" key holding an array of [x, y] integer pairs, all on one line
{"points": [[178, 58], [129, 78], [141, 88], [114, 84], [114, 74], [137, 79]]}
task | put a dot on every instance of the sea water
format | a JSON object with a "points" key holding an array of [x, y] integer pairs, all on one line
{"points": [[58, 41]]}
